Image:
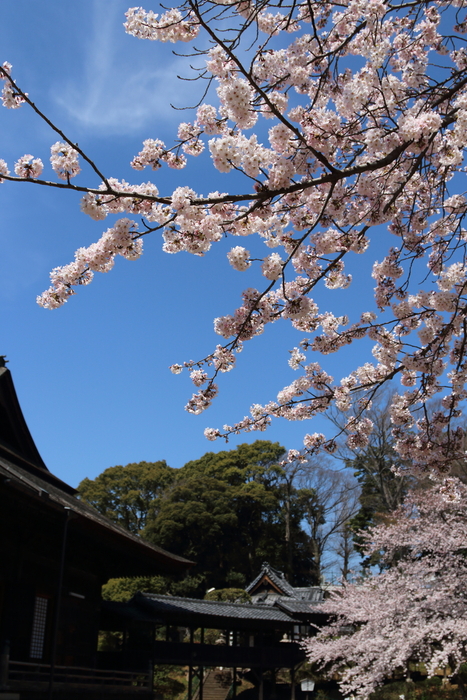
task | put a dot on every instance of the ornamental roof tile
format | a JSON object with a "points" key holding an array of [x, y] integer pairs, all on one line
{"points": [[276, 577]]}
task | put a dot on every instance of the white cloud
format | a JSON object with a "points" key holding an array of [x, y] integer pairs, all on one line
{"points": [[121, 88]]}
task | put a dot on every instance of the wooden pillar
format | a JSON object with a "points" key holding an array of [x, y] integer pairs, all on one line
{"points": [[4, 665], [150, 676], [190, 681], [201, 679], [153, 659], [190, 667], [234, 687], [201, 670], [261, 680], [292, 683]]}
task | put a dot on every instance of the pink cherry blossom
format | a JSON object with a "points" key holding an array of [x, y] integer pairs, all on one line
{"points": [[3, 169], [28, 166], [338, 133], [64, 160], [239, 258], [415, 611]]}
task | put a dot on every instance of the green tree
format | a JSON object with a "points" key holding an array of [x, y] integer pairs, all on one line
{"points": [[123, 589], [257, 462], [196, 519], [228, 595], [128, 495], [227, 512]]}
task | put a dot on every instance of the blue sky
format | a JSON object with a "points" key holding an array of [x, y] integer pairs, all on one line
{"points": [[92, 377]]}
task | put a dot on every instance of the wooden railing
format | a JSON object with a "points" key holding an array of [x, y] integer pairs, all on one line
{"points": [[27, 672], [212, 655]]}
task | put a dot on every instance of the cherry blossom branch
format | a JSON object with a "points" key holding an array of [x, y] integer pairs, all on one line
{"points": [[24, 96]]}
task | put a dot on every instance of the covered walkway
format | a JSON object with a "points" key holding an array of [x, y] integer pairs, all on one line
{"points": [[204, 634]]}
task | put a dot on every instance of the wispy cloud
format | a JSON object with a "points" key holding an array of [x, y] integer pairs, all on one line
{"points": [[118, 90]]}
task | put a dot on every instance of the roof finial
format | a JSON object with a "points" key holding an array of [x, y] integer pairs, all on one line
{"points": [[3, 360]]}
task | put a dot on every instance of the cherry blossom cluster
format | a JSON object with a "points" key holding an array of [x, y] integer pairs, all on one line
{"points": [[28, 166], [122, 239], [64, 160], [11, 99], [239, 258], [3, 169], [118, 196], [200, 401], [171, 26], [360, 431], [336, 155], [154, 152], [414, 612]]}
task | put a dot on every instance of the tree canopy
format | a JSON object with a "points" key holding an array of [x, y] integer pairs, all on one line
{"points": [[245, 496], [232, 496], [123, 589], [128, 495]]}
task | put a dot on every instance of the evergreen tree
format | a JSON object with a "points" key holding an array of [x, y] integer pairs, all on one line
{"points": [[128, 495], [236, 496]]}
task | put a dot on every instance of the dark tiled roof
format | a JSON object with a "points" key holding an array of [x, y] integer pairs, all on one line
{"points": [[276, 577], [110, 610], [292, 599], [291, 606], [167, 605], [314, 594], [55, 497], [23, 469], [265, 598]]}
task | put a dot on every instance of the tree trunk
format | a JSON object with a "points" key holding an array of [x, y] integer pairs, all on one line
{"points": [[461, 686], [288, 538]]}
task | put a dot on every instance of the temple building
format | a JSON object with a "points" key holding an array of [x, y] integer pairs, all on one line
{"points": [[55, 554], [271, 588], [257, 639]]}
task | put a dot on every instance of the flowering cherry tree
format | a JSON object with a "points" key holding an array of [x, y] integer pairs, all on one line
{"points": [[414, 612], [346, 122]]}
